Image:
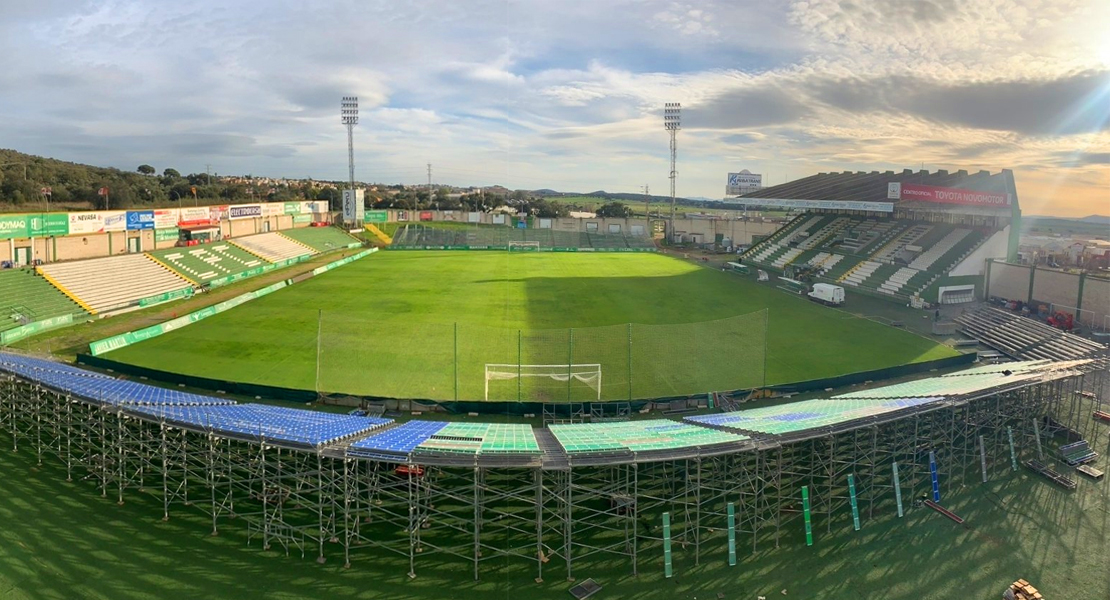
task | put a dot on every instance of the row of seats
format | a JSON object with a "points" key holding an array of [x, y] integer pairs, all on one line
{"points": [[779, 242], [205, 263], [107, 283], [1025, 338], [830, 229], [26, 296], [910, 235], [866, 233], [861, 273], [930, 256], [273, 246]]}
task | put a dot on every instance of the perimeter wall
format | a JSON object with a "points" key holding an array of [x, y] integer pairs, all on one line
{"points": [[1081, 294]]}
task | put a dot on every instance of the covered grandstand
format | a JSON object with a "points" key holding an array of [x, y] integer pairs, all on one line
{"points": [[57, 294], [894, 235], [327, 484]]}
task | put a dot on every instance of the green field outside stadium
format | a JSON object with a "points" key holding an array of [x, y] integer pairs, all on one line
{"points": [[426, 324]]}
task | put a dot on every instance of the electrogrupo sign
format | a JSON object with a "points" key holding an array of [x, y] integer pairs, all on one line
{"points": [[244, 211], [945, 195]]}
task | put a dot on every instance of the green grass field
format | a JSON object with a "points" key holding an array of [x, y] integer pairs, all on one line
{"points": [[61, 541], [388, 325]]}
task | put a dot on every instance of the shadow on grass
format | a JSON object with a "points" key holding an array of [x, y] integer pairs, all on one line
{"points": [[62, 540]]}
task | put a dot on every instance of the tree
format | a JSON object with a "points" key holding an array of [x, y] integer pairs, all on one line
{"points": [[172, 173], [616, 210], [145, 169]]}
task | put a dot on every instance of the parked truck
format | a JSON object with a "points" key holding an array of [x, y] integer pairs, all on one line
{"points": [[827, 294]]}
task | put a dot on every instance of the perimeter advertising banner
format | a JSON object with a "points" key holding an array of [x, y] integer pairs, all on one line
{"points": [[115, 220], [945, 195], [294, 208], [97, 222], [167, 235], [14, 226], [217, 213], [377, 216], [85, 222], [34, 225], [48, 225], [273, 209], [244, 211], [166, 218], [140, 219], [194, 215], [818, 204]]}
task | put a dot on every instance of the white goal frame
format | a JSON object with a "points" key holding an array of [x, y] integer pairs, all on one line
{"points": [[523, 244], [587, 373]]}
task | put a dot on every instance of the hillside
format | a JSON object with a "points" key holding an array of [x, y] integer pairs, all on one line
{"points": [[74, 186]]}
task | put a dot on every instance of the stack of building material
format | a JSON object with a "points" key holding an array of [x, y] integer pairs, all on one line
{"points": [[1023, 591]]}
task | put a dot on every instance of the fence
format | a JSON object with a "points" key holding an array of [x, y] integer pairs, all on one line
{"points": [[460, 361]]}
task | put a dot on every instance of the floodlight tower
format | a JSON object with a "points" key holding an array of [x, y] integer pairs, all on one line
{"points": [[348, 110], [672, 122]]}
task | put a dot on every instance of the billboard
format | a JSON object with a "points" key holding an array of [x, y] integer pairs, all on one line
{"points": [[140, 219], [166, 235], [14, 226], [946, 195], [315, 206], [217, 213], [244, 211], [165, 218], [742, 183], [377, 216], [354, 208], [86, 222], [48, 225], [97, 222], [193, 215], [115, 220]]}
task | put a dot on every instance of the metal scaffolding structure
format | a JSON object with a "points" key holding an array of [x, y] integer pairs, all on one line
{"points": [[555, 510]]}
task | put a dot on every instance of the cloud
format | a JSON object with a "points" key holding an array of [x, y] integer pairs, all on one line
{"points": [[563, 95], [1069, 104], [754, 106]]}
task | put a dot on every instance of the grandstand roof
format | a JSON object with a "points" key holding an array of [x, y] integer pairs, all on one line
{"points": [[863, 186]]}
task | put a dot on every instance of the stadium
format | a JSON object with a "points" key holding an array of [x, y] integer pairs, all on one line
{"points": [[561, 397]]}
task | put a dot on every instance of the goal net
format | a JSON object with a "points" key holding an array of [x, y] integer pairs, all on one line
{"points": [[524, 246], [588, 374]]}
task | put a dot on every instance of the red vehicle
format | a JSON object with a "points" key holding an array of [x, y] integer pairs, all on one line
{"points": [[1062, 320]]}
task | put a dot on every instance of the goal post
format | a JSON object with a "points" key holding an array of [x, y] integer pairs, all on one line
{"points": [[523, 246], [586, 373]]}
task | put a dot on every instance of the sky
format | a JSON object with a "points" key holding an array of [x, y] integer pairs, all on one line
{"points": [[568, 94]]}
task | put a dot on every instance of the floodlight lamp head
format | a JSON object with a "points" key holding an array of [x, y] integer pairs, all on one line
{"points": [[348, 110], [672, 116]]}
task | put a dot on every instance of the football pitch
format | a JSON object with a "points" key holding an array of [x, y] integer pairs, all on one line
{"points": [[425, 324]]}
